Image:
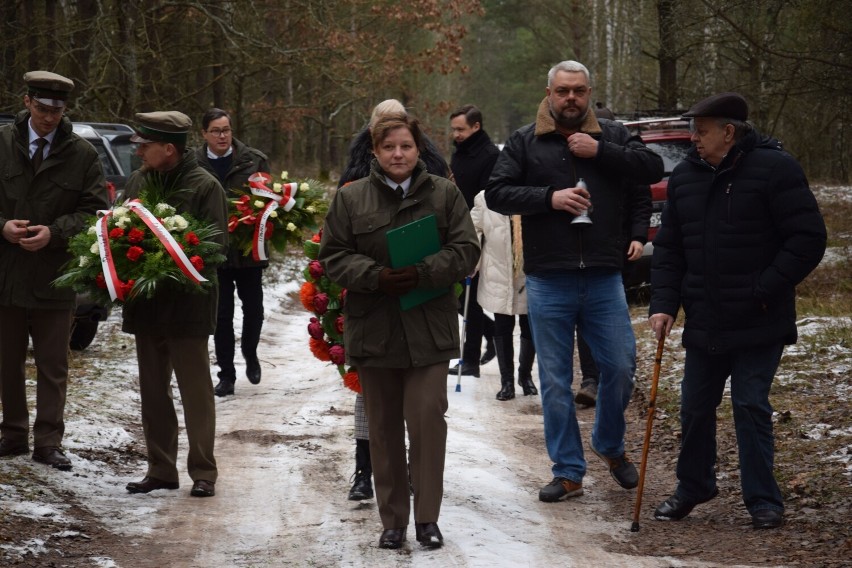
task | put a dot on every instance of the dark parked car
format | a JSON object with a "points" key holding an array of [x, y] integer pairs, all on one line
{"points": [[668, 137], [88, 314]]}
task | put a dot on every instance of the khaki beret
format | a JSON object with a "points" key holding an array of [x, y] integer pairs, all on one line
{"points": [[723, 105], [48, 88], [162, 126]]}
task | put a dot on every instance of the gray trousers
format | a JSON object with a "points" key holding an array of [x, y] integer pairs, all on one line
{"points": [[415, 398]]}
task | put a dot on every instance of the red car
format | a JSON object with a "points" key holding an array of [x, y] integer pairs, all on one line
{"points": [[668, 137]]}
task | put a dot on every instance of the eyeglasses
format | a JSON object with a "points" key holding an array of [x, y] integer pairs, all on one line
{"points": [[217, 132]]}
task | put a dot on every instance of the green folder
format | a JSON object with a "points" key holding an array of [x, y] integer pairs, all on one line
{"points": [[409, 245]]}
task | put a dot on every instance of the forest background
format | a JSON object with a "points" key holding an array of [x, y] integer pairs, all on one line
{"points": [[301, 76]]}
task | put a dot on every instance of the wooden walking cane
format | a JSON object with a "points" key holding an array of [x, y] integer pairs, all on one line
{"points": [[658, 361]]}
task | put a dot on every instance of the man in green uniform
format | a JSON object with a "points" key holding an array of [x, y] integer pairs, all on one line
{"points": [[50, 181], [173, 327]]}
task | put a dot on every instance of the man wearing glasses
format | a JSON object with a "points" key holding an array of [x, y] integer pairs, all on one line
{"points": [[50, 181], [232, 163]]}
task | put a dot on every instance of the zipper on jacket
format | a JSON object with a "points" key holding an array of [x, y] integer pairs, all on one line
{"points": [[730, 198], [580, 241]]}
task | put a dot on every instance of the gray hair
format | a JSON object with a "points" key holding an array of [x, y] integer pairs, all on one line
{"points": [[741, 128], [570, 67]]}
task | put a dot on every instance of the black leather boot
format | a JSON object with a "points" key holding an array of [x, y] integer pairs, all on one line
{"points": [[505, 359], [525, 363], [362, 488]]}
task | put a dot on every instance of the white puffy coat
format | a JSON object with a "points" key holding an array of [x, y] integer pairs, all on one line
{"points": [[500, 291]]}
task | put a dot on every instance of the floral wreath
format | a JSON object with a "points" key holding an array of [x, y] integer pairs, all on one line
{"points": [[274, 213], [132, 250], [325, 300]]}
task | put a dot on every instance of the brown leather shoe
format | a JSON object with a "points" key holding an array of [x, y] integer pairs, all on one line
{"points": [[8, 448], [149, 484], [392, 538], [52, 456], [202, 488]]}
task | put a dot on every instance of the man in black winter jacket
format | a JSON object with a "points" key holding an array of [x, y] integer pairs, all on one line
{"points": [[471, 165], [573, 270], [232, 163], [741, 228]]}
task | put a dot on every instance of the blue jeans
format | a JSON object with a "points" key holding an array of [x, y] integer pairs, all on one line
{"points": [[594, 301], [752, 371]]}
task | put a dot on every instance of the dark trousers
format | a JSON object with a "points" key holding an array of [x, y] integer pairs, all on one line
{"points": [[50, 331], [247, 283], [504, 326], [478, 325], [414, 398], [751, 371], [158, 356]]}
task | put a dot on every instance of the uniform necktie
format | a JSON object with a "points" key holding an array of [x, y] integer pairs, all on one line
{"points": [[38, 156], [400, 192]]}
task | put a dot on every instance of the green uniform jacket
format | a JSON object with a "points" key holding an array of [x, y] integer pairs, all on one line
{"points": [[68, 188], [246, 161], [173, 311], [377, 333]]}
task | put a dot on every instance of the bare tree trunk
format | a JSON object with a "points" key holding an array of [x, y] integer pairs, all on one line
{"points": [[667, 96]]}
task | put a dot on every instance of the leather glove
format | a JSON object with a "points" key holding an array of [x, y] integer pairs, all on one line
{"points": [[398, 281]]}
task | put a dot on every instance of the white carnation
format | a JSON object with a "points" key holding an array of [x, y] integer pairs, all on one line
{"points": [[273, 214], [85, 260], [259, 204], [93, 230], [304, 187], [163, 209], [120, 211], [276, 187], [311, 209], [94, 248], [291, 227], [285, 174]]}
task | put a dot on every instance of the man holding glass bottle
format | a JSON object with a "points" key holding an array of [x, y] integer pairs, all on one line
{"points": [[574, 269]]}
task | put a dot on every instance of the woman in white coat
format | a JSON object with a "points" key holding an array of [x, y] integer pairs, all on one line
{"points": [[501, 291]]}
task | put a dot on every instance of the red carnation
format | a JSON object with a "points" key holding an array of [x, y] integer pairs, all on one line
{"points": [[351, 381], [116, 233], [338, 324], [315, 329], [337, 354], [100, 281], [315, 269], [133, 253], [317, 237], [197, 262], [135, 236], [192, 239], [321, 303], [126, 287]]}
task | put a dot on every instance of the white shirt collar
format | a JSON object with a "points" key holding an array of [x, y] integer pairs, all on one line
{"points": [[405, 184], [213, 156], [34, 136]]}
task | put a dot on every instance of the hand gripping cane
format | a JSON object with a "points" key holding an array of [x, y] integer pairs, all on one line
{"points": [[658, 361], [464, 331]]}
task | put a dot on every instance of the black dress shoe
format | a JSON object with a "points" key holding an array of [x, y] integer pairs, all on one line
{"points": [[392, 538], [149, 484], [767, 519], [202, 488], [468, 370], [429, 535], [8, 448], [490, 352], [253, 370], [52, 456], [675, 507], [224, 388]]}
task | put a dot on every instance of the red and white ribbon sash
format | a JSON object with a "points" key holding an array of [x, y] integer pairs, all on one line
{"points": [[167, 240], [107, 264], [258, 185]]}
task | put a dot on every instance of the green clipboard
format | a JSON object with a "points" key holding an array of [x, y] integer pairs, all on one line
{"points": [[409, 245]]}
